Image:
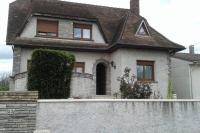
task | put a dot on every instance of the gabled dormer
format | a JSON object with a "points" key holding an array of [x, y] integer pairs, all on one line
{"points": [[142, 29]]}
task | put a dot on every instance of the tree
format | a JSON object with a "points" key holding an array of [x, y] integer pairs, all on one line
{"points": [[4, 82]]}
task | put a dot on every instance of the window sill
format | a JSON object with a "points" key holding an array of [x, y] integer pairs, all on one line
{"points": [[47, 36], [72, 39], [77, 39], [151, 82]]}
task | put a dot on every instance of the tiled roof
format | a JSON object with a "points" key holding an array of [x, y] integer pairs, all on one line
{"points": [[188, 57], [117, 25]]}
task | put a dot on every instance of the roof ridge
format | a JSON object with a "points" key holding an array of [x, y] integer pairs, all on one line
{"points": [[188, 57], [84, 4], [125, 18], [124, 25]]}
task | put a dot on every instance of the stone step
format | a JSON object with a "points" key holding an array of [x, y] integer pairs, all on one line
{"points": [[104, 97], [42, 131]]}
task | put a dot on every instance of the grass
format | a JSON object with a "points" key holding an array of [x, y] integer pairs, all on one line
{"points": [[4, 88]]}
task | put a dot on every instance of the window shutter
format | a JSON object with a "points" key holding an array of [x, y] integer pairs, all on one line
{"points": [[47, 26]]}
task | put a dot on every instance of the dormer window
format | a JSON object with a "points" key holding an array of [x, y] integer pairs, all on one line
{"points": [[143, 30], [47, 28], [82, 31]]}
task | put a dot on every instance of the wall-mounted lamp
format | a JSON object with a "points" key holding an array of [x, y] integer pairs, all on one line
{"points": [[113, 64]]}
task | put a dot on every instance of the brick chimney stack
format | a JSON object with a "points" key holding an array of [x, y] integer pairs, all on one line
{"points": [[191, 49], [135, 6]]}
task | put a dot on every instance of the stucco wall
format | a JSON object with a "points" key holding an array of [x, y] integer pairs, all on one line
{"points": [[65, 29], [82, 86], [90, 60], [109, 116], [129, 57], [18, 83], [122, 58], [30, 28], [21, 84], [181, 78], [195, 76]]}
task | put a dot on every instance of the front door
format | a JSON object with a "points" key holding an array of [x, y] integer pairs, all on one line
{"points": [[101, 79]]}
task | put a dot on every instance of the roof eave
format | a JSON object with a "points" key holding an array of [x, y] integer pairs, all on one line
{"points": [[69, 48], [122, 45]]}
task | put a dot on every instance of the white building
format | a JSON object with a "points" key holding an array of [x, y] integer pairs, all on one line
{"points": [[186, 75], [104, 40]]}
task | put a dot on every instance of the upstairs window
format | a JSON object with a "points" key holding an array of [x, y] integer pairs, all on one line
{"points": [[79, 67], [143, 29], [82, 31], [145, 70], [47, 28]]}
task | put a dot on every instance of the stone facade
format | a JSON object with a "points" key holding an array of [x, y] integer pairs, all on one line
{"points": [[18, 112]]}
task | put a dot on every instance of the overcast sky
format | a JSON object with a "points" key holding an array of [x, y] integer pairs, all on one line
{"points": [[178, 20]]}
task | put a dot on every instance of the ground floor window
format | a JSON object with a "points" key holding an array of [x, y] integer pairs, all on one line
{"points": [[145, 70], [79, 67]]}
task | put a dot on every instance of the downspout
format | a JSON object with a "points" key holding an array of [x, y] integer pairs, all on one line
{"points": [[191, 86]]}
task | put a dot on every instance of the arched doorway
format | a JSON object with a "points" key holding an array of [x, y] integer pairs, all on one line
{"points": [[101, 79]]}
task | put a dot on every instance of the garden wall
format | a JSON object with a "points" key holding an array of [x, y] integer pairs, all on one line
{"points": [[18, 112], [118, 116]]}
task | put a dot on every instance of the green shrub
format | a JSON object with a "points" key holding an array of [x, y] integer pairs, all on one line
{"points": [[50, 73], [4, 88]]}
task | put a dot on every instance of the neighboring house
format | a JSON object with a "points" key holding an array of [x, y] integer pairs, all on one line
{"points": [[186, 75], [104, 40]]}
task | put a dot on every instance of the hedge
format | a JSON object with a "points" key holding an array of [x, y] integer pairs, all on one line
{"points": [[50, 73]]}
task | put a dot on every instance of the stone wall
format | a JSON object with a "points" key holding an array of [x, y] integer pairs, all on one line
{"points": [[18, 112], [119, 116], [16, 60]]}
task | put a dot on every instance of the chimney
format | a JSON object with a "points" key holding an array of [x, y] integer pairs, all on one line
{"points": [[135, 6], [191, 48]]}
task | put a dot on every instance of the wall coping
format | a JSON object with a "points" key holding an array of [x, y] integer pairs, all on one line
{"points": [[18, 96], [82, 75], [116, 100]]}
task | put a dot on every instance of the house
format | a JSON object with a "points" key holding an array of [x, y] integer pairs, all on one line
{"points": [[186, 74], [104, 40]]}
